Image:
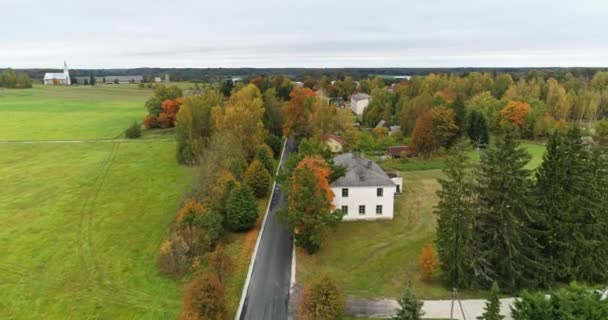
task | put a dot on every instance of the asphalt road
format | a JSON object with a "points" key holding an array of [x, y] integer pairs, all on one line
{"points": [[268, 292]]}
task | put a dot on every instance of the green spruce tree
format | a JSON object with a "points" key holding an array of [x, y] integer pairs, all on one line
{"points": [[477, 129], [492, 308], [241, 209], [410, 308], [455, 218], [258, 179], [505, 243]]}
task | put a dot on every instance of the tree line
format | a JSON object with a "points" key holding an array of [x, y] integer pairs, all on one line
{"points": [[502, 222], [14, 80]]}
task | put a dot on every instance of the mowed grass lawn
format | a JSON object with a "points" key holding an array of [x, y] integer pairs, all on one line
{"points": [[379, 259], [81, 223], [70, 113], [79, 234]]}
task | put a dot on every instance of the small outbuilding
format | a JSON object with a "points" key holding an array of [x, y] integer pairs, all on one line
{"points": [[401, 152], [334, 143]]}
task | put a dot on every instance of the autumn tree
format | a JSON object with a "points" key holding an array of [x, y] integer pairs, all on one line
{"points": [[428, 262], [241, 209], [258, 179], [444, 126], [410, 308], [455, 218], [514, 113], [322, 300], [411, 110], [204, 299], [241, 117], [298, 112], [161, 94], [220, 263], [323, 120], [423, 138], [309, 203], [194, 125]]}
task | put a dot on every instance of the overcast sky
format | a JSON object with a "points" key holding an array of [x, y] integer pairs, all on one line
{"points": [[309, 33]]}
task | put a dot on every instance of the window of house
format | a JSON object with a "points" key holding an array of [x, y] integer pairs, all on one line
{"points": [[379, 192], [378, 209], [361, 209], [345, 210], [344, 192]]}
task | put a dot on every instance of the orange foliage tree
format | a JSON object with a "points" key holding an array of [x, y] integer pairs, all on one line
{"points": [[309, 203], [428, 262], [298, 111], [422, 137], [204, 299], [514, 113], [166, 118]]}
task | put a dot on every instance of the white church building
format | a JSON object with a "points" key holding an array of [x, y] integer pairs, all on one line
{"points": [[365, 192], [61, 78]]}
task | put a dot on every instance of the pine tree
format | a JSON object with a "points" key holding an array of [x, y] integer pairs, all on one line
{"points": [[241, 209], [455, 220], [258, 179], [265, 157], [492, 308], [505, 244], [477, 129], [410, 308]]}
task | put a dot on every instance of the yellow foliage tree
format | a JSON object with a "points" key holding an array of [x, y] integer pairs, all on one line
{"points": [[242, 118]]}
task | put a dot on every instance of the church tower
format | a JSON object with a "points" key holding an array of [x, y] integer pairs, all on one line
{"points": [[66, 73]]}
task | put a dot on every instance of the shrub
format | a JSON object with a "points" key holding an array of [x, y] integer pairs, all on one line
{"points": [[220, 263], [204, 299], [172, 257], [241, 209], [275, 143], [134, 131], [258, 179], [265, 157], [428, 262], [322, 300]]}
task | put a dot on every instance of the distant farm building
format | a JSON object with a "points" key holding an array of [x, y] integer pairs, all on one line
{"points": [[123, 79], [59, 78], [358, 102]]}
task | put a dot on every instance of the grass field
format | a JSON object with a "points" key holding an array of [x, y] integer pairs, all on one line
{"points": [[80, 223], [535, 150], [66, 113], [379, 259]]}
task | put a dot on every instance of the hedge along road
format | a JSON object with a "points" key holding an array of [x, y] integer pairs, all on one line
{"points": [[266, 291]]}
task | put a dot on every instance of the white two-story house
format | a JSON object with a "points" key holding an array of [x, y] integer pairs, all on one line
{"points": [[365, 192]]}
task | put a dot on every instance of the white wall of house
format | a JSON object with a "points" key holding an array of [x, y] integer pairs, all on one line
{"points": [[333, 145], [358, 106], [368, 197]]}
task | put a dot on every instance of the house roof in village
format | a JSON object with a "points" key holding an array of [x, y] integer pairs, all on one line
{"points": [[335, 137], [359, 96], [360, 172], [54, 75]]}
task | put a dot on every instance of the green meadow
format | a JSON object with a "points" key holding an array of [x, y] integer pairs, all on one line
{"points": [[80, 223]]}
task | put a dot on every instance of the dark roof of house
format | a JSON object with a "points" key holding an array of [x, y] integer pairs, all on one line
{"points": [[360, 172], [397, 150], [335, 137]]}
